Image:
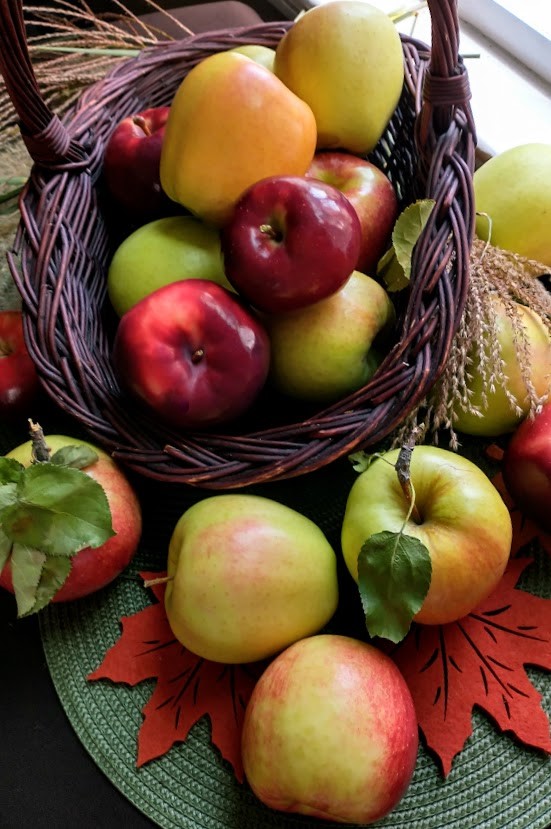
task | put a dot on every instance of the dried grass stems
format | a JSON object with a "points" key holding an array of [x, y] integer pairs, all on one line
{"points": [[497, 277], [62, 75]]}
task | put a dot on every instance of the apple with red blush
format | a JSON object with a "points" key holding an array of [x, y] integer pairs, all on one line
{"points": [[131, 165], [83, 529], [193, 353], [19, 383], [330, 731], [372, 195], [290, 242], [526, 467]]}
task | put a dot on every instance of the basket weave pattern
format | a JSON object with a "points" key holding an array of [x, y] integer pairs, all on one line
{"points": [[63, 246]]}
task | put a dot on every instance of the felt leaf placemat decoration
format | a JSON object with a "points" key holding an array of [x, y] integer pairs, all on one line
{"points": [[187, 686]]}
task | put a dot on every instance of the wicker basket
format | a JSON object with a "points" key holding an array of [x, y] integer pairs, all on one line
{"points": [[63, 246]]}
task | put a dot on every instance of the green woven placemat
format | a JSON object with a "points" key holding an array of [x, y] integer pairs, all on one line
{"points": [[495, 783]]}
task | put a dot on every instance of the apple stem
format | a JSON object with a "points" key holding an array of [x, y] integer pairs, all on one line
{"points": [[160, 580], [271, 231], [403, 471], [40, 452], [142, 124]]}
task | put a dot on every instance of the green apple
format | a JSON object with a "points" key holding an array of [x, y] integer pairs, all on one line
{"points": [[513, 189], [326, 350], [160, 252], [497, 415], [247, 577], [464, 525], [345, 59], [261, 54], [330, 731]]}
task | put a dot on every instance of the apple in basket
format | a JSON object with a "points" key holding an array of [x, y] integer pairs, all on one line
{"points": [[526, 467], [331, 348], [330, 731], [163, 251], [71, 520], [372, 195], [246, 577], [289, 242], [193, 353], [131, 164], [18, 378]]}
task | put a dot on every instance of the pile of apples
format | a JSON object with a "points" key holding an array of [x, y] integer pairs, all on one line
{"points": [[258, 223]]}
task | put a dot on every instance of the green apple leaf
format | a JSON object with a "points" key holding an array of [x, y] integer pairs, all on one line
{"points": [[59, 510], [26, 569], [75, 456], [54, 573], [395, 265], [5, 549], [394, 573], [10, 471]]}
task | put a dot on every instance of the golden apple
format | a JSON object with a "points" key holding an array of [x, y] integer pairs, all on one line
{"points": [[513, 189], [345, 59], [497, 415], [261, 54]]}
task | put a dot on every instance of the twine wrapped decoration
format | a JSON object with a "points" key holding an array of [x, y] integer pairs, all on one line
{"points": [[64, 244]]}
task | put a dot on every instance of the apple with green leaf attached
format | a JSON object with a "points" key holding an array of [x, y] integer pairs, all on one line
{"points": [[247, 576], [330, 731], [70, 520], [432, 562]]}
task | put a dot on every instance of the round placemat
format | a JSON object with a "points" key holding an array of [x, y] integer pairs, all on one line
{"points": [[495, 783]]}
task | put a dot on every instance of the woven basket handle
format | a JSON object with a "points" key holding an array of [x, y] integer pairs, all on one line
{"points": [[446, 83], [46, 138]]}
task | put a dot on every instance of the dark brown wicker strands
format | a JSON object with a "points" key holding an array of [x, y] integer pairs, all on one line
{"points": [[62, 249]]}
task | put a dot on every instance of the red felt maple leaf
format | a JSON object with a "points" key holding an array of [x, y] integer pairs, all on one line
{"points": [[187, 687], [480, 661]]}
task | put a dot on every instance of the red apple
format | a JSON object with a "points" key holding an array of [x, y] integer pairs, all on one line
{"points": [[290, 242], [18, 378], [131, 164], [94, 568], [193, 353], [330, 731], [372, 195], [526, 467]]}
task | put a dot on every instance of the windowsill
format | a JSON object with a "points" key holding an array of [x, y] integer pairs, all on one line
{"points": [[511, 105]]}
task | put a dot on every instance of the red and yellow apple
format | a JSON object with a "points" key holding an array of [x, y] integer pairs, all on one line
{"points": [[330, 731], [247, 577], [464, 525], [333, 347], [372, 195], [94, 568]]}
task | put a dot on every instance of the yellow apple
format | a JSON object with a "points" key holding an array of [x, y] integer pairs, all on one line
{"points": [[160, 252], [261, 54], [497, 416], [513, 188], [231, 123], [345, 59], [326, 350]]}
